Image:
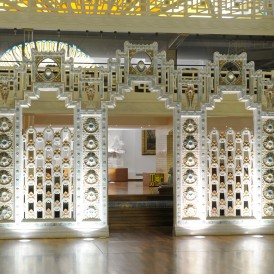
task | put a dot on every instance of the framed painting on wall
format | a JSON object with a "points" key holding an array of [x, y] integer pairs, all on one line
{"points": [[148, 142]]}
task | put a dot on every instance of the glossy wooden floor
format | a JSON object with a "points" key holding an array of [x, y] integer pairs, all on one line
{"points": [[130, 188], [139, 252]]}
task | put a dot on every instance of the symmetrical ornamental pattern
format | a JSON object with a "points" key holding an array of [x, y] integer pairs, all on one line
{"points": [[268, 167], [190, 166], [91, 139], [66, 175], [6, 167], [191, 8], [48, 69], [49, 173], [230, 173]]}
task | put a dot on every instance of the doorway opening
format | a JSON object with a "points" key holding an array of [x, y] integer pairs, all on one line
{"points": [[140, 162]]}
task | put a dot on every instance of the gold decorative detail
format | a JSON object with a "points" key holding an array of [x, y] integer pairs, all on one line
{"points": [[90, 125], [190, 93], [5, 159], [48, 194], [48, 143], [57, 186], [214, 177], [57, 169], [230, 192], [144, 65], [190, 159], [30, 195], [269, 209], [5, 141], [238, 202], [190, 126], [269, 159], [190, 210], [66, 161], [91, 142], [190, 142], [39, 152], [66, 143], [57, 204], [5, 195], [230, 72], [5, 177], [91, 212], [230, 176], [268, 176], [230, 211], [269, 192], [268, 126], [91, 194], [91, 177], [222, 202], [5, 124], [269, 96], [90, 91], [39, 203], [66, 213], [48, 160], [4, 91], [39, 169], [214, 212], [48, 69], [39, 134], [57, 152], [48, 212], [5, 212], [190, 193], [269, 143], [238, 185]]}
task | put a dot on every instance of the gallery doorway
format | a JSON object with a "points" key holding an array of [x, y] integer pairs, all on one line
{"points": [[140, 157]]}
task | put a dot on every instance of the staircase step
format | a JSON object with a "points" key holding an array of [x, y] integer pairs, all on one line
{"points": [[140, 211]]}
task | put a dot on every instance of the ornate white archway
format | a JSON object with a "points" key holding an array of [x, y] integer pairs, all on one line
{"points": [[189, 93]]}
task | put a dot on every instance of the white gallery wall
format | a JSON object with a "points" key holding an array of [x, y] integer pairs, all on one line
{"points": [[129, 143]]}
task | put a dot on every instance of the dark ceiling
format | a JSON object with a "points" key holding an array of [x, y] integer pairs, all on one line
{"points": [[259, 49]]}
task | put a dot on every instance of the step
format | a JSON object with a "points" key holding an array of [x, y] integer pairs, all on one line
{"points": [[140, 211]]}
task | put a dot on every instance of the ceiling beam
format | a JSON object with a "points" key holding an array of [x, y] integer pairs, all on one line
{"points": [[145, 24]]}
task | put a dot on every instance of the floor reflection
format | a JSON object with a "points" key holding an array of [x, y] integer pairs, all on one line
{"points": [[130, 188], [139, 252]]}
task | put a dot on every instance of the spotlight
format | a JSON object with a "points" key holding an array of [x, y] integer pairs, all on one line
{"points": [[24, 240], [88, 239]]}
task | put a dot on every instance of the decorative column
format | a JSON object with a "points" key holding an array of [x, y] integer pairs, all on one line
{"points": [[266, 154], [7, 166], [93, 152]]}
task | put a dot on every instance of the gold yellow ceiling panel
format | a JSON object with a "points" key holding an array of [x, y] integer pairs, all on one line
{"points": [[250, 9]]}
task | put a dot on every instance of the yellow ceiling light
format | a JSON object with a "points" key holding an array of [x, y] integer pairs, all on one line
{"points": [[221, 9]]}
